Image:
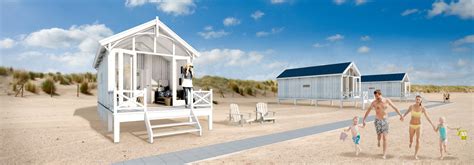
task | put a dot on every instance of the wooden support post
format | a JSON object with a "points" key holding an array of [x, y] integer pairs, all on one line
{"points": [[316, 103], [209, 121], [294, 102], [116, 129], [173, 80], [110, 120], [120, 76]]}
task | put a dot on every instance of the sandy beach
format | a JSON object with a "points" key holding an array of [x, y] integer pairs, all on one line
{"points": [[66, 129]]}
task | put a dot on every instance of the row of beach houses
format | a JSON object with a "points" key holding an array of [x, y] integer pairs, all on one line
{"points": [[340, 82], [134, 64]]}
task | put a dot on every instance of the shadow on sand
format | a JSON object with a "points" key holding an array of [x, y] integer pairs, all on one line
{"points": [[90, 114], [137, 128], [365, 154], [411, 157]]}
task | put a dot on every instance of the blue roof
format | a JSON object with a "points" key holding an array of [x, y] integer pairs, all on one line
{"points": [[383, 77], [315, 70]]}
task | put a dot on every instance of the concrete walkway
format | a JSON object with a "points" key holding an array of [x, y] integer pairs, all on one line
{"points": [[206, 152]]}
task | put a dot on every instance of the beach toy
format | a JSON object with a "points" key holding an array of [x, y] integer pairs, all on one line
{"points": [[462, 133], [343, 136]]}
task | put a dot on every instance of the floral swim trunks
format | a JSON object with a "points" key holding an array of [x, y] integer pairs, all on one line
{"points": [[381, 126]]}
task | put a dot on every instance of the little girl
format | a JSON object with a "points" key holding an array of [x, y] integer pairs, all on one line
{"points": [[354, 128], [443, 138]]}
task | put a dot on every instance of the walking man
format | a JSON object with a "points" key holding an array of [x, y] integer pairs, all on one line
{"points": [[381, 123]]}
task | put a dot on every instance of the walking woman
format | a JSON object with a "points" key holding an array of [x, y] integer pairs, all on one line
{"points": [[415, 122]]}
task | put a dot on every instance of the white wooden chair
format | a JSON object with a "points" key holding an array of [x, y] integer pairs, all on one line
{"points": [[263, 114], [236, 117]]}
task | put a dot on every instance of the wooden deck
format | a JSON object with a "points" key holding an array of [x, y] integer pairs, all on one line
{"points": [[161, 112]]}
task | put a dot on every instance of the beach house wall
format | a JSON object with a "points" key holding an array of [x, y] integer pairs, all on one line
{"points": [[391, 85], [339, 81]]}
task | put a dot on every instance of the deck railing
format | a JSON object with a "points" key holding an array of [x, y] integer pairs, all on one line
{"points": [[129, 99], [202, 98]]}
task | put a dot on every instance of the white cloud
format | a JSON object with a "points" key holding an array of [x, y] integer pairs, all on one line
{"points": [[133, 3], [277, 1], [230, 57], [360, 2], [463, 44], [365, 38], [458, 74], [469, 39], [86, 36], [363, 49], [65, 49], [174, 7], [231, 21], [409, 11], [7, 43], [267, 33], [29, 55], [318, 45], [339, 2], [335, 37], [461, 8], [208, 28], [257, 15], [209, 33]]}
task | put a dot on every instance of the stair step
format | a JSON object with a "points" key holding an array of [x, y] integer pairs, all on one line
{"points": [[173, 124], [175, 132]]}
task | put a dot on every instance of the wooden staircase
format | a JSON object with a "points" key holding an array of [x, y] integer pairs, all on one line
{"points": [[200, 99], [193, 123]]}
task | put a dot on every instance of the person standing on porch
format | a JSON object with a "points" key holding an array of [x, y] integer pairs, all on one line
{"points": [[380, 104], [187, 82]]}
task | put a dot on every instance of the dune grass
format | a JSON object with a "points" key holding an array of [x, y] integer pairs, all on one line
{"points": [[441, 88], [225, 86]]}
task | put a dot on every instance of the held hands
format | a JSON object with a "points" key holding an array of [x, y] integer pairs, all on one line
{"points": [[401, 118], [363, 123]]}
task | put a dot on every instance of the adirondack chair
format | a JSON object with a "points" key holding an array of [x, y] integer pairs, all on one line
{"points": [[263, 114], [236, 117]]}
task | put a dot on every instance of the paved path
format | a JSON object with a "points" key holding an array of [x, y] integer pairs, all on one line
{"points": [[206, 152]]}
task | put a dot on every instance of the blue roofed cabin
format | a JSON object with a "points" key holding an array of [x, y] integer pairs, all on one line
{"points": [[395, 85], [339, 81]]}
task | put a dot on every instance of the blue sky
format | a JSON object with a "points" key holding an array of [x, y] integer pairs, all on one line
{"points": [[255, 39]]}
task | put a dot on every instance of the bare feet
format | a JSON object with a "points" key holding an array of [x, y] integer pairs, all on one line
{"points": [[357, 153], [416, 157], [441, 158], [384, 157]]}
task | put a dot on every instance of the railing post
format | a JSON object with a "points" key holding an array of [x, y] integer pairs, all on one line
{"points": [[115, 101], [144, 99], [210, 117]]}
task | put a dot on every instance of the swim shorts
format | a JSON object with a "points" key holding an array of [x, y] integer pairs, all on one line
{"points": [[381, 126], [356, 139]]}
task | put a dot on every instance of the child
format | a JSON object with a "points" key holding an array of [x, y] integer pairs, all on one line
{"points": [[354, 128], [443, 138]]}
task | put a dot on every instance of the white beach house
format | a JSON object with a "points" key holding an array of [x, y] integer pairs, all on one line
{"points": [[395, 85], [138, 69], [333, 82]]}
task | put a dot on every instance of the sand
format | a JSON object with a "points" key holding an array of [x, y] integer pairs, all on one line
{"points": [[65, 129], [327, 148]]}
